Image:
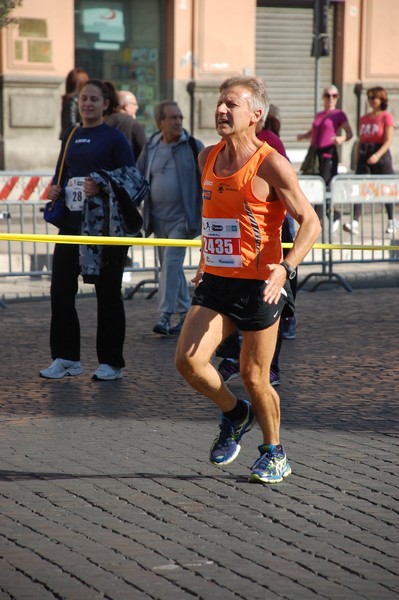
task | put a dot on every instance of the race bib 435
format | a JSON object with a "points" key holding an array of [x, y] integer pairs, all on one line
{"points": [[221, 242]]}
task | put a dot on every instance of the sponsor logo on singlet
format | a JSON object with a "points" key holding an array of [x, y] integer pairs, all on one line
{"points": [[226, 187]]}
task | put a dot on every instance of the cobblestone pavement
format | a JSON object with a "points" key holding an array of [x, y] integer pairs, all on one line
{"points": [[106, 490]]}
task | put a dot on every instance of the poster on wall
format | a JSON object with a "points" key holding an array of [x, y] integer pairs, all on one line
{"points": [[104, 19]]}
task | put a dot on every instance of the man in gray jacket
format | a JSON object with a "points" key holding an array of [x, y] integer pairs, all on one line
{"points": [[173, 206]]}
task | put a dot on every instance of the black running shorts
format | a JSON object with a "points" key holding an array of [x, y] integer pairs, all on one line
{"points": [[242, 301]]}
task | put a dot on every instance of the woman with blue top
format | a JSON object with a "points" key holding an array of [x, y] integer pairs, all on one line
{"points": [[94, 148]]}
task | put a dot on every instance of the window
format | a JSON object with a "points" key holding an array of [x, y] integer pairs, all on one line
{"points": [[121, 41]]}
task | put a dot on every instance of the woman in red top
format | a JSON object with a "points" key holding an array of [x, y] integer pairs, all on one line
{"points": [[374, 157]]}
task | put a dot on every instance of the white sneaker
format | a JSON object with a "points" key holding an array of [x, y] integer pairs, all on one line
{"points": [[107, 373], [352, 227], [336, 225], [61, 367], [392, 226]]}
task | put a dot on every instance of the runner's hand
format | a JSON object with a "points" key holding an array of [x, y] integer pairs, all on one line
{"points": [[198, 277], [277, 279]]}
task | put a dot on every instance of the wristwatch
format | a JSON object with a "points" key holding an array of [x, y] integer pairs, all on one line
{"points": [[291, 272]]}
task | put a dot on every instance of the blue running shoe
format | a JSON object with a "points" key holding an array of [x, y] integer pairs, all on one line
{"points": [[272, 465], [226, 446]]}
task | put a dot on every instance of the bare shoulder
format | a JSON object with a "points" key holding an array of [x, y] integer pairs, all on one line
{"points": [[276, 167], [203, 155]]}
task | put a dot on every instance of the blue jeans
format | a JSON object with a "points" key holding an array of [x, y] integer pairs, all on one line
{"points": [[173, 294]]}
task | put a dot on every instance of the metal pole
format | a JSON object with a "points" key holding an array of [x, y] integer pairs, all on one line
{"points": [[316, 85], [316, 51], [320, 41]]}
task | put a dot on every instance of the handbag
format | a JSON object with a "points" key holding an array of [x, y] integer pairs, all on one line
{"points": [[55, 211], [311, 163]]}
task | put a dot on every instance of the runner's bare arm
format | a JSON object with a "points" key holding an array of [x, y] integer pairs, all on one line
{"points": [[282, 183], [203, 155], [278, 180]]}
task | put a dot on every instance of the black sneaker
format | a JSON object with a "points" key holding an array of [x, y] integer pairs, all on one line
{"points": [[226, 446], [229, 369]]}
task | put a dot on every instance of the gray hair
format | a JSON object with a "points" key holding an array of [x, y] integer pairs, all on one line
{"points": [[258, 99], [159, 111]]}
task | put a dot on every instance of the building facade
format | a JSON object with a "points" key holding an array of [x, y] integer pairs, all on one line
{"points": [[184, 49]]}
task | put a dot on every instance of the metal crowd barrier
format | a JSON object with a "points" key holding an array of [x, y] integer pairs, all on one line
{"points": [[22, 199], [23, 195], [314, 189], [371, 193]]}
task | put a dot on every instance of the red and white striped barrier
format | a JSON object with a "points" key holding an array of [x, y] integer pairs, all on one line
{"points": [[24, 186]]}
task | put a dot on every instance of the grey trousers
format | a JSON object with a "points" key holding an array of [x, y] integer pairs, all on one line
{"points": [[173, 294]]}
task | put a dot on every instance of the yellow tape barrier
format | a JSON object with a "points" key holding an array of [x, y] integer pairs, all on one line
{"points": [[128, 241]]}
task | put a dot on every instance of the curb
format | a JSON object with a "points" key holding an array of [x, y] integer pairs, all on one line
{"points": [[356, 280]]}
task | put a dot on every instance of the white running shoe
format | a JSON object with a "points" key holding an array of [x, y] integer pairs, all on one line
{"points": [[106, 373], [61, 367], [336, 225], [392, 226], [352, 227]]}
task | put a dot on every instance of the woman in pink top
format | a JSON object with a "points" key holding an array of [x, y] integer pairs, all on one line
{"points": [[325, 134], [374, 157]]}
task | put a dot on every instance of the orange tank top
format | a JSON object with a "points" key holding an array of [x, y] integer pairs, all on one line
{"points": [[241, 234]]}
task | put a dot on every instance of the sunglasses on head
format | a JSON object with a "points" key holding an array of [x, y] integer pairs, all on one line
{"points": [[330, 95]]}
